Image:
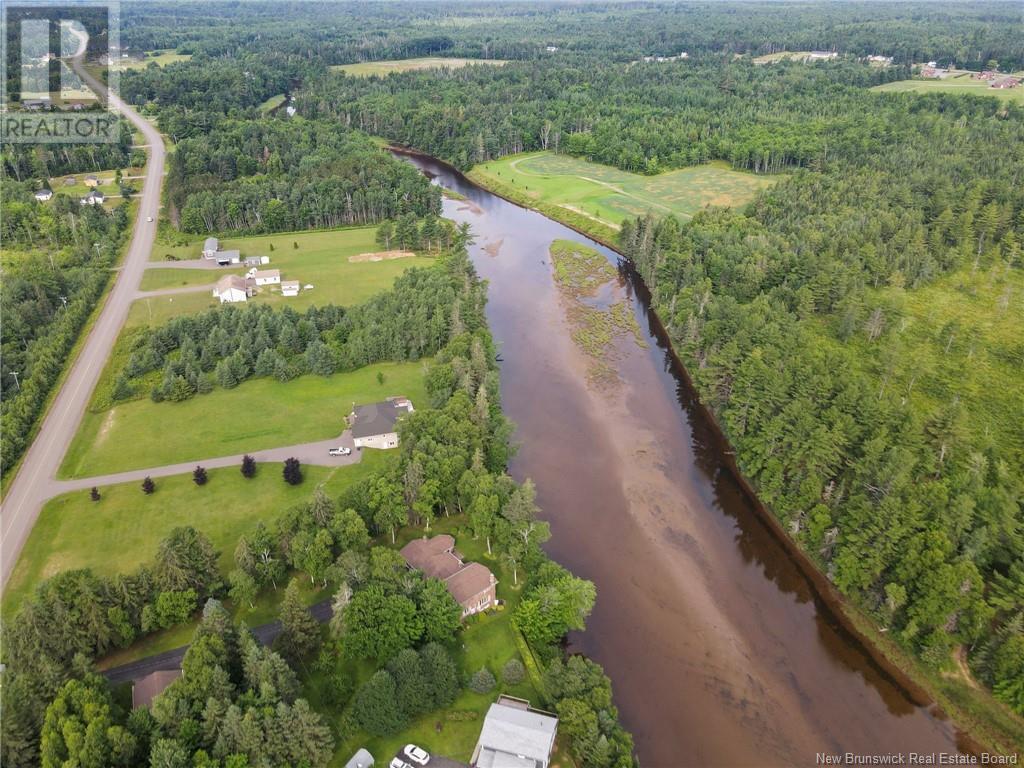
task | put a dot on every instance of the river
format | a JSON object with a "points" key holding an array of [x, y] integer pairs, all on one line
{"points": [[720, 649]]}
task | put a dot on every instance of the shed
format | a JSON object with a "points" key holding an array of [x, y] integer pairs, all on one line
{"points": [[361, 759]]}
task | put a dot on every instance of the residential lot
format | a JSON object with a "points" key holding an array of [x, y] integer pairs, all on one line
{"points": [[367, 68]]}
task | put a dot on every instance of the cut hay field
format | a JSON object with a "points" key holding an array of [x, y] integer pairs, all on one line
{"points": [[959, 84], [382, 68], [319, 258], [258, 414], [160, 58], [606, 196]]}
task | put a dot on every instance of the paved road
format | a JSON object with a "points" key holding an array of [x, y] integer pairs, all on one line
{"points": [[314, 454], [35, 481], [265, 633]]}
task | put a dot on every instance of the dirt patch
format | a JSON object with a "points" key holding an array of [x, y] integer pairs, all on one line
{"points": [[380, 256], [108, 422], [493, 249]]}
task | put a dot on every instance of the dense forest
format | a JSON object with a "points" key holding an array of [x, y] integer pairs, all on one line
{"points": [[238, 704]]}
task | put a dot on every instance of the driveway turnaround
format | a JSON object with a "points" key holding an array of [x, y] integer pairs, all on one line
{"points": [[34, 482]]}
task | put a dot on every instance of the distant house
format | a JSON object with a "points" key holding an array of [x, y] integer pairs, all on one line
{"points": [[210, 247], [361, 759], [933, 72], [290, 110], [232, 288], [43, 195], [471, 584], [987, 74], [290, 288], [34, 105], [91, 181], [877, 59], [266, 276], [1006, 82], [821, 56], [145, 689], [95, 197], [255, 261], [70, 181], [551, 48], [228, 257], [376, 425], [515, 735]]}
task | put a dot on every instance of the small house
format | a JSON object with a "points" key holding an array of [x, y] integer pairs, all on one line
{"points": [[471, 584], [290, 288], [147, 688], [43, 195], [552, 49], [91, 181], [232, 288], [1006, 82], [256, 261], [95, 197], [34, 105], [376, 425], [210, 247], [515, 735], [224, 258], [266, 276]]}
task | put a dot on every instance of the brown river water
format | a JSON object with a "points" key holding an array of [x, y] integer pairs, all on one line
{"points": [[721, 649]]}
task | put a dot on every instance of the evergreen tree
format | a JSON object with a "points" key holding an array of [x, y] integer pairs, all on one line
{"points": [[248, 466], [300, 633], [292, 471], [148, 486], [199, 476]]}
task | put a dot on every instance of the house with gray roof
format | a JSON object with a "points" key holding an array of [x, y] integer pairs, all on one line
{"points": [[515, 735], [210, 248], [376, 425], [361, 759]]}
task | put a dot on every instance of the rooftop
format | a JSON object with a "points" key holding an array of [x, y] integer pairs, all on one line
{"points": [[230, 281], [376, 418], [515, 735], [433, 556], [152, 685], [471, 580]]}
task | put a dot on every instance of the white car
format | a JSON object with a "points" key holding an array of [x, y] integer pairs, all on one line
{"points": [[149, 218], [397, 762], [417, 754], [339, 451]]}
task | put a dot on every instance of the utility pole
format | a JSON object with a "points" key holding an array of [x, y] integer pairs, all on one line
{"points": [[17, 383]]}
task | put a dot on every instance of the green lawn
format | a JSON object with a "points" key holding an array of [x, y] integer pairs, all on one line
{"points": [[606, 195], [367, 68], [258, 414], [106, 185], [155, 279], [958, 84], [272, 103], [160, 58], [122, 530], [320, 260]]}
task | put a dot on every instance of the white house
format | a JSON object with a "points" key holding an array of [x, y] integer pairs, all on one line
{"points": [[515, 735], [95, 197], [210, 248], [266, 276], [376, 425], [290, 288], [43, 195], [231, 289]]}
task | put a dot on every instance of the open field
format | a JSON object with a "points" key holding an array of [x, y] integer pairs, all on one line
{"points": [[272, 103], [122, 530], [608, 195], [105, 178], [321, 260], [160, 58], [962, 83], [368, 68], [258, 414]]}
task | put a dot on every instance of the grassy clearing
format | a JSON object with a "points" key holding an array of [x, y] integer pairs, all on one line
{"points": [[258, 414], [383, 68], [320, 260], [272, 103], [963, 83], [772, 58], [160, 58], [105, 178], [122, 530], [600, 196], [587, 283]]}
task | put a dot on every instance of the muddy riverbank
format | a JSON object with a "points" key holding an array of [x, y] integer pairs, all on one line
{"points": [[723, 647]]}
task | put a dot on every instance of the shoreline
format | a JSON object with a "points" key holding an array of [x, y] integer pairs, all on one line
{"points": [[889, 658]]}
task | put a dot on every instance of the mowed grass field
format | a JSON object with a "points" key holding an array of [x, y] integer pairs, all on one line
{"points": [[318, 258], [368, 68], [959, 84], [258, 414], [160, 58], [608, 196], [122, 530]]}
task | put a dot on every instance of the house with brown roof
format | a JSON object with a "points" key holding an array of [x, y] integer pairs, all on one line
{"points": [[147, 688], [1006, 82], [233, 288], [471, 584]]}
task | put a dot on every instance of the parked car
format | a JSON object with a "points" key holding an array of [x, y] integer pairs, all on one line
{"points": [[417, 754], [342, 451], [149, 218], [397, 762]]}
